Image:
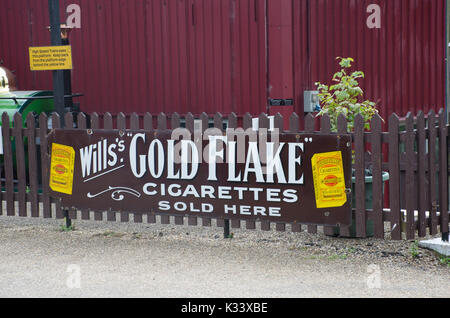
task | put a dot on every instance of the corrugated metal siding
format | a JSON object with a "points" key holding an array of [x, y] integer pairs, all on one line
{"points": [[231, 55], [168, 55], [404, 60]]}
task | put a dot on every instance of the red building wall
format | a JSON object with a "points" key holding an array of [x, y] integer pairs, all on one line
{"points": [[234, 55]]}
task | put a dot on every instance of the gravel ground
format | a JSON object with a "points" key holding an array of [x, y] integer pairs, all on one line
{"points": [[38, 259]]}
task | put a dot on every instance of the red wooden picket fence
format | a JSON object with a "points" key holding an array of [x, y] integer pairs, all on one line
{"points": [[413, 203]]}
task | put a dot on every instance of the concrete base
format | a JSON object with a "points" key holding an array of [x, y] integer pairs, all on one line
{"points": [[437, 245]]}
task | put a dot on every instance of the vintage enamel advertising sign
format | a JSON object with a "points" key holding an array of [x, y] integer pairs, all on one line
{"points": [[61, 168], [285, 177]]}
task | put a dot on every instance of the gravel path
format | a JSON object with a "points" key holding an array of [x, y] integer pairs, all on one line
{"points": [[108, 259]]}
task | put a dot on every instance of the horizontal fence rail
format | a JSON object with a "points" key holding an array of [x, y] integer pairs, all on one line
{"points": [[413, 152]]}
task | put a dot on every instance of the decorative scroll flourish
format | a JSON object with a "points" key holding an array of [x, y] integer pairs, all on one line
{"points": [[117, 193]]}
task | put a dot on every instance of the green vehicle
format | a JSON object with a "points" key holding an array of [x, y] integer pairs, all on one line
{"points": [[25, 102], [36, 102]]}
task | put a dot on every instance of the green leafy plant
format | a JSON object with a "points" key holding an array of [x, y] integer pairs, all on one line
{"points": [[345, 97], [65, 228], [414, 249], [445, 260]]}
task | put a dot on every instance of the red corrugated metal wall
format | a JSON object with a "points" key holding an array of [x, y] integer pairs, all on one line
{"points": [[232, 55], [171, 55], [404, 60]]}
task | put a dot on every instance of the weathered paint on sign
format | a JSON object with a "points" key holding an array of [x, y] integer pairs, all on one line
{"points": [[233, 176], [50, 58]]}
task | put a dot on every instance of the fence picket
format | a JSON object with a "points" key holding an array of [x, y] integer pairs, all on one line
{"points": [[422, 179], [95, 124], [82, 124], [46, 202], [432, 175], [122, 125], [360, 186], [310, 127], [265, 124], [148, 125], [175, 123], [325, 128], [410, 188], [69, 122], [206, 221], [394, 178], [247, 124], [279, 125], [56, 123], [443, 175], [32, 164], [134, 125], [342, 127], [294, 126], [8, 165], [20, 164], [190, 125], [108, 124], [162, 125], [377, 180]]}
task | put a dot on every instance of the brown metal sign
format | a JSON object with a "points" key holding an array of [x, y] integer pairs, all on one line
{"points": [[286, 177]]}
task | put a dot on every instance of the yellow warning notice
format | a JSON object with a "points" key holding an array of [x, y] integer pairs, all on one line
{"points": [[50, 58], [61, 168], [329, 181]]}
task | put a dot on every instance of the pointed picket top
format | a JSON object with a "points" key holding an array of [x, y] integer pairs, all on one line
{"points": [[162, 121], [190, 122], [5, 119], [17, 118], [409, 119], [56, 121], [247, 121], [232, 120], [205, 121], [43, 121], [393, 119], [420, 119], [107, 121], [148, 121], [175, 121], [68, 120], [30, 118], [420, 114], [218, 121], [342, 124], [263, 121], [325, 124], [376, 122], [95, 121], [442, 117], [294, 124], [309, 123], [279, 122], [134, 121], [431, 113], [359, 124]]}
